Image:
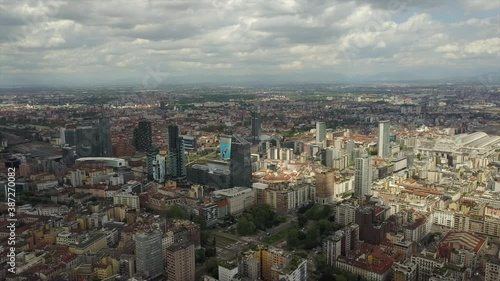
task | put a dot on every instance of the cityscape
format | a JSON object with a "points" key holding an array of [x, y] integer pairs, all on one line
{"points": [[202, 171]]}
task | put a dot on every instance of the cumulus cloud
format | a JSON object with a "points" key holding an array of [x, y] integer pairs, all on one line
{"points": [[119, 39]]}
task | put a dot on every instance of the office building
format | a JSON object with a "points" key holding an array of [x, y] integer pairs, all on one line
{"points": [[156, 166], [143, 136], [181, 262], [68, 136], [241, 164], [256, 124], [189, 142], [384, 145], [94, 141], [363, 177], [148, 251], [239, 199], [176, 155], [320, 132], [225, 147]]}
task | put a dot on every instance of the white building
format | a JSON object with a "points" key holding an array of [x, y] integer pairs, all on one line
{"points": [[320, 132], [77, 178], [108, 161], [299, 274], [363, 177], [384, 146], [47, 185], [52, 210], [342, 186], [227, 271], [238, 198], [345, 214], [444, 218]]}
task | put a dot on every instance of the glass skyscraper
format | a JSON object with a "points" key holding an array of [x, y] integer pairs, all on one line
{"points": [[256, 124], [94, 141], [176, 155], [241, 163]]}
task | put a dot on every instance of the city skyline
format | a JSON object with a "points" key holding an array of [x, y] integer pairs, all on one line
{"points": [[223, 140], [69, 43]]}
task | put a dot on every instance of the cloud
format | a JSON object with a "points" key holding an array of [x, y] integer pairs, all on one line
{"points": [[480, 5], [119, 39]]}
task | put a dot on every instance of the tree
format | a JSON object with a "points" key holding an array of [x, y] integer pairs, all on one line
{"points": [[302, 220], [340, 278], [292, 239], [211, 249], [203, 237], [177, 212], [212, 266], [245, 227], [200, 256], [321, 265], [327, 277], [200, 220], [313, 238]]}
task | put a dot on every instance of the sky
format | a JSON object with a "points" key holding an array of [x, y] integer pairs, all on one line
{"points": [[153, 42]]}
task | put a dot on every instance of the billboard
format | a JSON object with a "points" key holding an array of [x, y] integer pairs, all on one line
{"points": [[225, 148]]}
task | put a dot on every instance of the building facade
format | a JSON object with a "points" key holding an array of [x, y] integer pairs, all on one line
{"points": [[181, 262]]}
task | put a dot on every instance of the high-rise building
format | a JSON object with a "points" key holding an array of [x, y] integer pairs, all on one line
{"points": [[384, 145], [325, 186], [345, 213], [181, 262], [143, 136], [341, 243], [241, 164], [363, 177], [331, 154], [256, 124], [68, 136], [148, 252], [155, 166], [320, 131], [189, 142], [225, 147], [176, 155], [94, 141]]}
